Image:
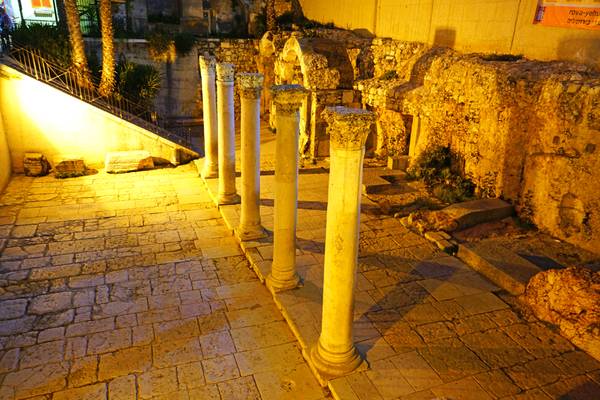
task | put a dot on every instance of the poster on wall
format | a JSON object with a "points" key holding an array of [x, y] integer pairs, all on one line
{"points": [[578, 14]]}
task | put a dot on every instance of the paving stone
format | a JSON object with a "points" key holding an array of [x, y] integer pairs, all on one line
{"points": [[388, 380], [217, 344], [109, 341], [208, 392], [497, 384], [28, 382], [122, 388], [124, 362], [416, 370], [83, 371], [13, 309], [42, 354], [534, 373], [175, 352], [239, 389], [9, 360], [190, 375], [178, 329], [254, 337], [220, 369], [268, 359], [255, 316], [297, 383], [452, 360], [157, 382], [467, 389], [50, 303], [495, 348]]}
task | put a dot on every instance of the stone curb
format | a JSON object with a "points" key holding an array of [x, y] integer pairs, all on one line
{"points": [[262, 267]]}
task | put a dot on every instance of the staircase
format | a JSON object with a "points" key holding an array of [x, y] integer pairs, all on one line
{"points": [[32, 63]]}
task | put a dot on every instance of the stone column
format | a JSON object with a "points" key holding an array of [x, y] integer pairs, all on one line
{"points": [[250, 88], [335, 353], [227, 191], [209, 110], [287, 100]]}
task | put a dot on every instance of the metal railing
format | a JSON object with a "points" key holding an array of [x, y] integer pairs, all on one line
{"points": [[33, 63]]}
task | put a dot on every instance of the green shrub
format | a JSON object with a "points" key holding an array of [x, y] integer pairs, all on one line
{"points": [[184, 42], [137, 82], [434, 167], [160, 46], [51, 41]]}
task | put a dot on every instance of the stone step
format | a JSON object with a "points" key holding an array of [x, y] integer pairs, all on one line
{"points": [[500, 265], [127, 161], [374, 179], [475, 212]]}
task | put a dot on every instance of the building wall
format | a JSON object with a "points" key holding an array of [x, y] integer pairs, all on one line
{"points": [[5, 167], [489, 26], [38, 118]]}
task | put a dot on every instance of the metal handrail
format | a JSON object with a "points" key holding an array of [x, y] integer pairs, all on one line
{"points": [[34, 64]]}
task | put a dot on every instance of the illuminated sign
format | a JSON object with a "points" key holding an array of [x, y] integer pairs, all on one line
{"points": [[580, 14]]}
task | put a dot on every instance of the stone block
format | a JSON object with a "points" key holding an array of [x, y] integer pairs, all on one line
{"points": [[127, 161], [35, 164], [471, 213], [398, 163], [67, 166]]}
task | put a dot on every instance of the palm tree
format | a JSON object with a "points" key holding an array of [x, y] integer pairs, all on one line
{"points": [[77, 46], [271, 17], [107, 81]]}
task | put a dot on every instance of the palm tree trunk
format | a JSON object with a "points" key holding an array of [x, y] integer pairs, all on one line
{"points": [[107, 81], [77, 46], [271, 18]]}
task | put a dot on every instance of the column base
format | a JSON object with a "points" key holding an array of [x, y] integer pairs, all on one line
{"points": [[250, 233], [229, 199], [209, 173], [277, 285], [333, 364]]}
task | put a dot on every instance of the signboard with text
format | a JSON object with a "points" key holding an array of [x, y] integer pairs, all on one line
{"points": [[579, 14]]}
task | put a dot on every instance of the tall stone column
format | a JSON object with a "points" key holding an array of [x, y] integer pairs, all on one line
{"points": [[226, 121], [209, 110], [250, 88], [287, 100], [335, 353]]}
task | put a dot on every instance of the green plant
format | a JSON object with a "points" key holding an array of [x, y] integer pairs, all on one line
{"points": [[434, 167], [184, 42], [51, 41], [137, 82], [160, 46]]}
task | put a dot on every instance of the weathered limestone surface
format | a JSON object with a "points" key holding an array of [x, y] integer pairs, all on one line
{"points": [[130, 287], [126, 161], [570, 299], [69, 165], [35, 164]]}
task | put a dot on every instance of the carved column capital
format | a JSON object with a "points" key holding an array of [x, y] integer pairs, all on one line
{"points": [[250, 85], [225, 72], [206, 62], [348, 128], [288, 98]]}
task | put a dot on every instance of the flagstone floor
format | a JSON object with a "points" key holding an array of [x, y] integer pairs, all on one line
{"points": [[131, 287]]}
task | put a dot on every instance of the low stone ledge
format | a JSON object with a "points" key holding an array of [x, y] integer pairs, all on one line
{"points": [[127, 161]]}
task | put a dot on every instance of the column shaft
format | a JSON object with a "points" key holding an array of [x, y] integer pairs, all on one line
{"points": [[250, 227], [335, 353], [288, 100], [209, 111], [226, 124]]}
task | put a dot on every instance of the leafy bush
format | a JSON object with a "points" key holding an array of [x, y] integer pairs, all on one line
{"points": [[137, 82], [184, 42], [160, 46], [51, 41], [434, 167]]}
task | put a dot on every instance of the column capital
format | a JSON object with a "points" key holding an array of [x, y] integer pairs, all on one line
{"points": [[348, 128], [206, 62], [288, 98], [225, 72], [250, 85]]}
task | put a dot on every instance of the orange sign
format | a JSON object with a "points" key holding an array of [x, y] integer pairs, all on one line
{"points": [[579, 14], [41, 4]]}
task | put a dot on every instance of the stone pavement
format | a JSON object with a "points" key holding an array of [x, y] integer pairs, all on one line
{"points": [[429, 326], [131, 287]]}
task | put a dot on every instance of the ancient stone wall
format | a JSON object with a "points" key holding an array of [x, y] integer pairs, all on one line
{"points": [[180, 96]]}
